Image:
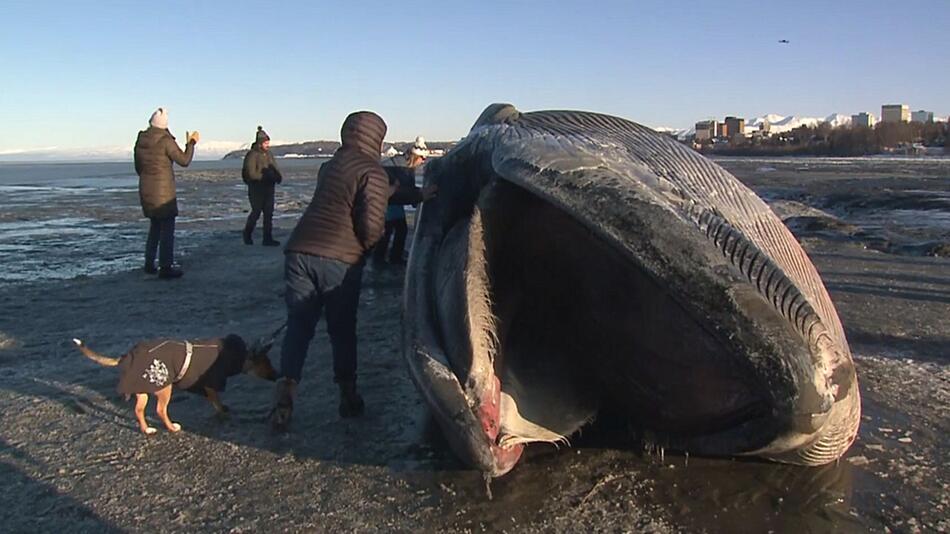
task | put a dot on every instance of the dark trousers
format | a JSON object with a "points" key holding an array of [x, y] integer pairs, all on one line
{"points": [[315, 284], [397, 230], [161, 238], [262, 201]]}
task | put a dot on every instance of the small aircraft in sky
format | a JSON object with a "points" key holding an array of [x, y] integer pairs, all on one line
{"points": [[783, 41]]}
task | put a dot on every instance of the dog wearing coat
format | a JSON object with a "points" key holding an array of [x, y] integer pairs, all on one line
{"points": [[153, 367]]}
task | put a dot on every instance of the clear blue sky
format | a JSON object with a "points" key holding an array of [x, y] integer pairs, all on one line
{"points": [[79, 74]]}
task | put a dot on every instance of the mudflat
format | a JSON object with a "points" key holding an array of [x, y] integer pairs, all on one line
{"points": [[72, 459]]}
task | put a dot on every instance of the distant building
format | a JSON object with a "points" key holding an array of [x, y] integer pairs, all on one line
{"points": [[734, 126], [706, 130], [925, 117], [723, 130], [865, 120], [895, 113]]}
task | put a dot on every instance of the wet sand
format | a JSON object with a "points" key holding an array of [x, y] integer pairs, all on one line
{"points": [[72, 459]]}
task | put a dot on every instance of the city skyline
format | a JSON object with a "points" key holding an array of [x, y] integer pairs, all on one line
{"points": [[86, 78]]}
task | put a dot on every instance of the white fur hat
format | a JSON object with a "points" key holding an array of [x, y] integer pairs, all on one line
{"points": [[159, 119], [419, 148]]}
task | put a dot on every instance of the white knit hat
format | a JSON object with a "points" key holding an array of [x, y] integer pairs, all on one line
{"points": [[159, 119], [419, 148]]}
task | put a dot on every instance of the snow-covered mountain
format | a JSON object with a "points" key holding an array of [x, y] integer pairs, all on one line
{"points": [[679, 133], [837, 119], [785, 123], [779, 123]]}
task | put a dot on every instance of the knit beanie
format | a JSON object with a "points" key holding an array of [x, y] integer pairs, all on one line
{"points": [[159, 119], [261, 135]]}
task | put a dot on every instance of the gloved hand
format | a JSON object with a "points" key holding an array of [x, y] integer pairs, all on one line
{"points": [[192, 137]]}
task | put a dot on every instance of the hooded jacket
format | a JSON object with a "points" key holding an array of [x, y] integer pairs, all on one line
{"points": [[155, 150], [260, 167], [345, 217]]}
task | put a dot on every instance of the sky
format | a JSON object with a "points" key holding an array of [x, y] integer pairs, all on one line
{"points": [[82, 77]]}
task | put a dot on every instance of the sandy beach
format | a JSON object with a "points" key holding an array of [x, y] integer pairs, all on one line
{"points": [[73, 460]]}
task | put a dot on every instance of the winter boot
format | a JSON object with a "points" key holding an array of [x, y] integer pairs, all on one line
{"points": [[269, 240], [351, 404], [168, 273], [283, 405]]}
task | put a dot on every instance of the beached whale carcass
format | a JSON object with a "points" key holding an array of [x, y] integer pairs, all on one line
{"points": [[575, 260]]}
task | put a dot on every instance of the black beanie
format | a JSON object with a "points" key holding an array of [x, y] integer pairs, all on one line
{"points": [[261, 135]]}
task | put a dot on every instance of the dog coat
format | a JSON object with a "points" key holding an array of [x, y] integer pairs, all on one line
{"points": [[154, 364]]}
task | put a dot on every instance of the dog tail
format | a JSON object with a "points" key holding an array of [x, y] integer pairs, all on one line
{"points": [[95, 356]]}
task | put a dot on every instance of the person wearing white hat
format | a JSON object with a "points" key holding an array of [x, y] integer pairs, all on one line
{"points": [[402, 179], [155, 151]]}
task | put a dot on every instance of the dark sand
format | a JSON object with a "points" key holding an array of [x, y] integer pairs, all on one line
{"points": [[71, 458]]}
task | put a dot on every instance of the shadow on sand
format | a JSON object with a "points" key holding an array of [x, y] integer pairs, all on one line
{"points": [[28, 505]]}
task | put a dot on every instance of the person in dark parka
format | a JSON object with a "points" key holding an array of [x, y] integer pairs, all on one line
{"points": [[155, 151], [324, 258], [261, 175]]}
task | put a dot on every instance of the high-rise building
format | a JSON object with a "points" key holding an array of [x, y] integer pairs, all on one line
{"points": [[925, 117], [895, 113], [734, 126], [862, 119]]}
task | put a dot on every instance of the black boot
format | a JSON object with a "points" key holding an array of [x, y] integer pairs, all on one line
{"points": [[168, 273], [247, 236], [351, 404], [150, 268], [269, 240]]}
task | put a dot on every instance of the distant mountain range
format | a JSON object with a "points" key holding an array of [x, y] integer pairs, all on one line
{"points": [[781, 124]]}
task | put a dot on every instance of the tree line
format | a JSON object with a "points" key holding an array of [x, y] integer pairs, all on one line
{"points": [[825, 140]]}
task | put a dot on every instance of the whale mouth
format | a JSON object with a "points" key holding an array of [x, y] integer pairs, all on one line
{"points": [[578, 325]]}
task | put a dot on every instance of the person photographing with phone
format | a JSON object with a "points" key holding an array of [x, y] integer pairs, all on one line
{"points": [[155, 151]]}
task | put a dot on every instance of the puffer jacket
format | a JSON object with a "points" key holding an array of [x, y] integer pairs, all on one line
{"points": [[260, 167], [346, 215], [155, 150]]}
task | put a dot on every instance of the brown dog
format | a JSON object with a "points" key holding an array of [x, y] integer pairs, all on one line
{"points": [[203, 367]]}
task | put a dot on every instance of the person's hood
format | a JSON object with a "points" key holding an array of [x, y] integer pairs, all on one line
{"points": [[364, 130]]}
